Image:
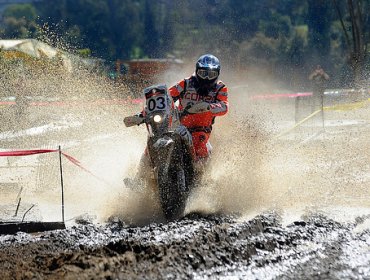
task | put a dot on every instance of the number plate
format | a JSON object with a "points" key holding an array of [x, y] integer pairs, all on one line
{"points": [[156, 103]]}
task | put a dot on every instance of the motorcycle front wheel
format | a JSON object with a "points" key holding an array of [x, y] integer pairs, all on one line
{"points": [[172, 192]]}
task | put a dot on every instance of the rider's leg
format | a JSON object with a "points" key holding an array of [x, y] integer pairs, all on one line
{"points": [[203, 150], [200, 140]]}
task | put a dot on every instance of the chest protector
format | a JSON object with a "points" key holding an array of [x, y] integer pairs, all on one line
{"points": [[191, 93]]}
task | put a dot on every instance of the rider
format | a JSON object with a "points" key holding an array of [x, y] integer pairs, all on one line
{"points": [[204, 97]]}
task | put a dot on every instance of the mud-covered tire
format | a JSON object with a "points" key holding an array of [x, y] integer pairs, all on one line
{"points": [[172, 198]]}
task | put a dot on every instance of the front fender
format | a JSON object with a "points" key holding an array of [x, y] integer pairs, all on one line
{"points": [[161, 150], [163, 142]]}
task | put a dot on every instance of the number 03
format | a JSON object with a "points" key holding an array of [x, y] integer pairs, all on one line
{"points": [[158, 103]]}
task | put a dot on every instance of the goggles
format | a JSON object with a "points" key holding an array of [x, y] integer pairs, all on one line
{"points": [[207, 74]]}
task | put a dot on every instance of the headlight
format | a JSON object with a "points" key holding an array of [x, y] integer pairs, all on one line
{"points": [[157, 118]]}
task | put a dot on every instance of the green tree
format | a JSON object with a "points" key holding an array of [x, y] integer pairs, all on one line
{"points": [[20, 21], [357, 38], [282, 36], [151, 44], [110, 28], [319, 21]]}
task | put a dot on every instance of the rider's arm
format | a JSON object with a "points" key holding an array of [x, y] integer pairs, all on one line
{"points": [[221, 105], [177, 89]]}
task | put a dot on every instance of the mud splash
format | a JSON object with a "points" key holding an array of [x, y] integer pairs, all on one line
{"points": [[253, 171], [249, 173]]}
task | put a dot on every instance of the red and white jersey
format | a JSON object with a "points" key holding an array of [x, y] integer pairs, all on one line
{"points": [[187, 93]]}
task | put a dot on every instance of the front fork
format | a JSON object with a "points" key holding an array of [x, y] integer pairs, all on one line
{"points": [[160, 152], [187, 140]]}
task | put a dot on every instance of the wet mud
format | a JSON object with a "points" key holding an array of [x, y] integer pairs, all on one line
{"points": [[196, 247]]}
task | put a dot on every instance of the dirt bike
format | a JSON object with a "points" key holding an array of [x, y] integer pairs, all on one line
{"points": [[170, 150]]}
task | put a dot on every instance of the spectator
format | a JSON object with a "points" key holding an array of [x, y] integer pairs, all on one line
{"points": [[319, 79]]}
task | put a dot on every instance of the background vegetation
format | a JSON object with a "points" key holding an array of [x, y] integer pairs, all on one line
{"points": [[286, 38]]}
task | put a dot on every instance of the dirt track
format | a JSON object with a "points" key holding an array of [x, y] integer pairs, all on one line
{"points": [[193, 248]]}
